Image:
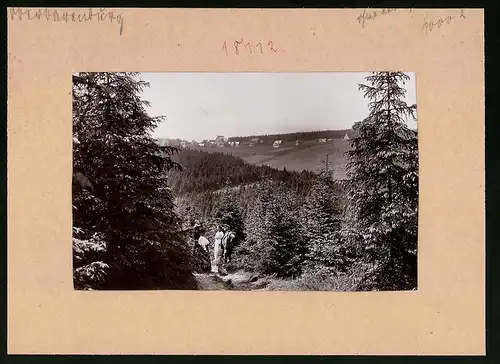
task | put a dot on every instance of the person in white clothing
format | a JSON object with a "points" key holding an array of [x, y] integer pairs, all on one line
{"points": [[217, 250]]}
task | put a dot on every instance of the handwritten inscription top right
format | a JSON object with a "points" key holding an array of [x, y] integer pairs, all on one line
{"points": [[428, 26]]}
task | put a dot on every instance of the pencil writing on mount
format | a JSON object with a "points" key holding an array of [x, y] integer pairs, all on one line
{"points": [[241, 46], [430, 25], [67, 16]]}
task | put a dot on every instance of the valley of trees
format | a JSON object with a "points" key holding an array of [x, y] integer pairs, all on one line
{"points": [[131, 229], [212, 171]]}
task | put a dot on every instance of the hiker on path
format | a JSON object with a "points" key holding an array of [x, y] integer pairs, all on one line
{"points": [[198, 230], [218, 251], [227, 244], [200, 246]]}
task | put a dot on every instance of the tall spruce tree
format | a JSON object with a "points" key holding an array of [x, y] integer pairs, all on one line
{"points": [[321, 216], [127, 235], [250, 252], [274, 243], [228, 213], [383, 184]]}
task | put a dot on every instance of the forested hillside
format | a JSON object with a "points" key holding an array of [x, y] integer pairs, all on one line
{"points": [[292, 137], [257, 202], [203, 171]]}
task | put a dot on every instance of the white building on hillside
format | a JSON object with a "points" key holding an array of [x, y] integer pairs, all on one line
{"points": [[346, 137], [297, 143], [237, 144], [220, 141], [322, 140], [277, 144]]}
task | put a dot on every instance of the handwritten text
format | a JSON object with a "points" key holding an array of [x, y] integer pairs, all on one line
{"points": [[47, 14], [429, 25], [239, 46], [365, 16]]}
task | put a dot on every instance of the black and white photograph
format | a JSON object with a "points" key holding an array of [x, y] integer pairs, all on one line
{"points": [[246, 181]]}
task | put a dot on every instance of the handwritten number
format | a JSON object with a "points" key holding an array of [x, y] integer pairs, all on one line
{"points": [[249, 47], [260, 45], [236, 44], [428, 26]]}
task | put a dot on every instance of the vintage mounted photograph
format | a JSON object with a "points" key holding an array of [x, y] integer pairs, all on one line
{"points": [[245, 181]]}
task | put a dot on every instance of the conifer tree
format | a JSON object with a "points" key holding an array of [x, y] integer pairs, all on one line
{"points": [[383, 184], [228, 213], [127, 235], [274, 243], [321, 216], [247, 254]]}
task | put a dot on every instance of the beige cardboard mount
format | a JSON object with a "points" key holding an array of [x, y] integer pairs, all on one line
{"points": [[445, 48]]}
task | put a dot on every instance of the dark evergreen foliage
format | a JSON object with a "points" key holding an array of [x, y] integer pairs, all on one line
{"points": [[383, 185], [127, 235], [322, 218], [228, 213], [213, 171], [274, 244]]}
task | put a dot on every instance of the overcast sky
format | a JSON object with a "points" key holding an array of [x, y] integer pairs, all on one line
{"points": [[203, 105]]}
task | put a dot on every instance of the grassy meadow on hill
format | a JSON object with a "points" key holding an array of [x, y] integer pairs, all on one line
{"points": [[306, 156]]}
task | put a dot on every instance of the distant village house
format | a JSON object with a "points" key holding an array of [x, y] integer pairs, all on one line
{"points": [[220, 141], [346, 137], [297, 143], [322, 140], [234, 144], [277, 144]]}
